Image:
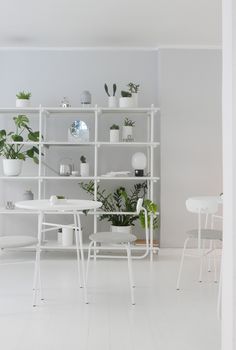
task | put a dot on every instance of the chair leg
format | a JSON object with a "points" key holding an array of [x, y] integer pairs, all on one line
{"points": [[215, 264], [219, 294], [89, 256], [95, 252], [82, 257], [77, 252], [131, 280], [209, 258], [181, 264]]}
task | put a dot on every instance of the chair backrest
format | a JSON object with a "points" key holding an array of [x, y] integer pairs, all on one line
{"points": [[139, 205], [202, 205]]}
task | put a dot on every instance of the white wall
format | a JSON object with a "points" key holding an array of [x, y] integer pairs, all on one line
{"points": [[191, 160]]}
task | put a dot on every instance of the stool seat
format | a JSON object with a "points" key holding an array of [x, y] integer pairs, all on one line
{"points": [[17, 241], [112, 237], [210, 234]]}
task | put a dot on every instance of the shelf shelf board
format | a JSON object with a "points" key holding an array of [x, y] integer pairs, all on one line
{"points": [[61, 110], [131, 144], [141, 110], [92, 143], [65, 143], [78, 178], [20, 110], [15, 178]]}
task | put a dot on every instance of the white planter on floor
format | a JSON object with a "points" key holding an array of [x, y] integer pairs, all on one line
{"points": [[126, 102], [126, 229], [22, 103], [112, 102], [114, 135], [12, 167], [127, 133], [84, 169], [67, 236]]}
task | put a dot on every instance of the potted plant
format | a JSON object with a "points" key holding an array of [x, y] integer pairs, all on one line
{"points": [[84, 167], [23, 99], [120, 201], [127, 130], [114, 133], [15, 153], [126, 100], [134, 89], [112, 102]]}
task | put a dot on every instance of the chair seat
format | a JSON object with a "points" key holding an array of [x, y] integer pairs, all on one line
{"points": [[112, 237], [17, 241], [206, 234]]}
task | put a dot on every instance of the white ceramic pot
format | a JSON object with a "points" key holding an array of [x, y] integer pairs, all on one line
{"points": [[126, 229], [114, 135], [67, 236], [126, 102], [22, 103], [12, 167], [84, 169], [127, 133], [135, 99], [112, 102]]}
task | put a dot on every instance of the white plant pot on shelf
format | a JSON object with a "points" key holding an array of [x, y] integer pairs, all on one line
{"points": [[127, 133], [12, 167], [114, 135], [84, 169], [126, 102], [22, 103], [135, 99], [67, 236], [125, 229], [112, 102]]}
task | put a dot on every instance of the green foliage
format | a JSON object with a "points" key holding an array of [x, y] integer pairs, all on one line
{"points": [[151, 208], [114, 127], [23, 132], [126, 94], [22, 95], [60, 197], [129, 122], [133, 88], [83, 159], [122, 200], [107, 91]]}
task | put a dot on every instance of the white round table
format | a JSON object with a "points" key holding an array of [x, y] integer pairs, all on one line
{"points": [[74, 207]]}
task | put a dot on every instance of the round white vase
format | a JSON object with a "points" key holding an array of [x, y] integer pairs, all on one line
{"points": [[127, 133], [112, 102], [125, 229], [114, 135], [12, 167], [67, 236], [22, 103], [84, 169], [126, 102]]}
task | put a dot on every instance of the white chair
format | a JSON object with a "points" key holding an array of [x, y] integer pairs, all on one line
{"points": [[202, 206], [119, 238]]}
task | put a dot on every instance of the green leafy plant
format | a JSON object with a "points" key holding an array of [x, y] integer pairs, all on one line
{"points": [[83, 159], [122, 200], [114, 127], [126, 94], [128, 122], [133, 88], [22, 95], [107, 91], [22, 133], [60, 197]]}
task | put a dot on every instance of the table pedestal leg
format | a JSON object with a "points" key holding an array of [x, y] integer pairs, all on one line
{"points": [[37, 261]]}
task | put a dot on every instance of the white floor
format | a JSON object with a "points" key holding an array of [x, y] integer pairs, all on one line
{"points": [[162, 318]]}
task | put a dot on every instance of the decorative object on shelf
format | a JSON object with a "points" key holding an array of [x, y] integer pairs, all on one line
{"points": [[66, 166], [116, 173], [74, 173], [65, 103], [15, 153], [114, 133], [84, 167], [86, 99], [67, 236], [127, 130], [28, 195], [126, 100], [23, 99], [59, 236], [78, 132], [139, 163], [122, 200], [134, 89], [112, 101], [10, 205]]}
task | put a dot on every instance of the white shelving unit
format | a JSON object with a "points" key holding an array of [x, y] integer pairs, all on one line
{"points": [[43, 113]]}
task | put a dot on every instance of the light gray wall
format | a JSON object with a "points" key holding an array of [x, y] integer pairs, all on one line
{"points": [[191, 160]]}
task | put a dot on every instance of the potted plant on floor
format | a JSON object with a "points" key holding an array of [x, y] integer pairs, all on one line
{"points": [[123, 200], [15, 153], [134, 89], [114, 133], [23, 99], [112, 102], [126, 100], [84, 167], [127, 130]]}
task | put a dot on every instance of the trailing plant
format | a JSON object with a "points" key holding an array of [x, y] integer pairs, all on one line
{"points": [[133, 88], [126, 94], [107, 91], [22, 95], [22, 133], [83, 159], [114, 127], [128, 122], [122, 200]]}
